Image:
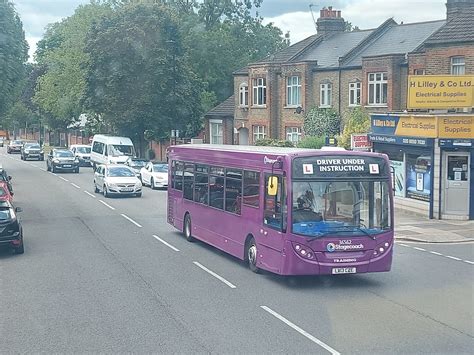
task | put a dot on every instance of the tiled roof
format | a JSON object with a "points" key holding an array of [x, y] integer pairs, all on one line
{"points": [[224, 109], [288, 53], [398, 39], [458, 29]]}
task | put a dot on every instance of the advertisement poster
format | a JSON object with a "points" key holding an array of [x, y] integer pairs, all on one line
{"points": [[419, 178], [398, 177]]}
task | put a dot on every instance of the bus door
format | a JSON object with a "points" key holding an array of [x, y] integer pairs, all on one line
{"points": [[273, 228]]}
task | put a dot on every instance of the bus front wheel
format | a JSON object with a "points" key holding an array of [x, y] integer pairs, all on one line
{"points": [[187, 228], [252, 255]]}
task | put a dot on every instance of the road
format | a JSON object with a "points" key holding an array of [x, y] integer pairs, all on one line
{"points": [[110, 275]]}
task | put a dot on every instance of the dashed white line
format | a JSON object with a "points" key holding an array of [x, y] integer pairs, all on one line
{"points": [[436, 253], [54, 174], [220, 278], [76, 186], [469, 262], [106, 204], [63, 179], [453, 257], [403, 245], [43, 169], [88, 193], [420, 249], [131, 220], [165, 243], [301, 331]]}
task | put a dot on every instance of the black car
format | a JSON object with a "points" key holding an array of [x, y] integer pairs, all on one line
{"points": [[14, 146], [62, 160], [11, 232], [31, 151]]}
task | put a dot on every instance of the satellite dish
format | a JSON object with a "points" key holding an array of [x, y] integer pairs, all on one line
{"points": [[299, 110]]}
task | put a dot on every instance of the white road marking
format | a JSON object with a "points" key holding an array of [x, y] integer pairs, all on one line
{"points": [[469, 262], [76, 186], [435, 253], [42, 169], [131, 220], [403, 245], [88, 193], [63, 179], [214, 274], [301, 331], [165, 243], [54, 174], [453, 257], [106, 204], [420, 249]]}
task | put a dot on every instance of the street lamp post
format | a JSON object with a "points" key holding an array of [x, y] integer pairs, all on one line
{"points": [[174, 134]]}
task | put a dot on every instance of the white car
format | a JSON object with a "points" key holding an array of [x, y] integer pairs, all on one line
{"points": [[116, 180], [83, 153], [155, 174]]}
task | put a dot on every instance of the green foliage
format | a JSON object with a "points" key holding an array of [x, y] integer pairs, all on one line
{"points": [[358, 121], [13, 55], [312, 142], [322, 122], [274, 142]]}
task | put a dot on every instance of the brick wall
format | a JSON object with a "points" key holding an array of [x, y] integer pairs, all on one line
{"points": [[438, 59]]}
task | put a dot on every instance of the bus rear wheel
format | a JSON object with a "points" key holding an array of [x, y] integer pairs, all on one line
{"points": [[251, 255], [187, 228]]}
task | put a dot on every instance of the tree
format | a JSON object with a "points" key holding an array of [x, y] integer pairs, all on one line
{"points": [[312, 142], [321, 122], [358, 121], [271, 142], [139, 77], [13, 55]]}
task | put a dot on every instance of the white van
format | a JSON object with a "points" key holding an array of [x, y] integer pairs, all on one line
{"points": [[111, 150]]}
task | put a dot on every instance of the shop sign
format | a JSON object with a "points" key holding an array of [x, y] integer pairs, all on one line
{"points": [[418, 126], [456, 127], [421, 142], [360, 141], [384, 124], [436, 91], [456, 142]]}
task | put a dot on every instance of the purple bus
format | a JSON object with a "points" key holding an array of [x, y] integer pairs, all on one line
{"points": [[285, 210]]}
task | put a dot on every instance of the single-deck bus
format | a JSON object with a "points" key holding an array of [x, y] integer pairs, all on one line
{"points": [[285, 210]]}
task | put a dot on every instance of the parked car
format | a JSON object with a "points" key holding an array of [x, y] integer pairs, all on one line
{"points": [[155, 174], [62, 160], [5, 194], [31, 151], [136, 164], [6, 178], [11, 232], [111, 150], [83, 153], [14, 146], [116, 180]]}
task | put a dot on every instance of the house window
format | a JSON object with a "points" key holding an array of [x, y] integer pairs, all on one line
{"points": [[419, 72], [259, 133], [293, 134], [215, 128], [325, 98], [458, 66], [378, 89], [293, 91], [354, 94], [243, 95], [259, 92]]}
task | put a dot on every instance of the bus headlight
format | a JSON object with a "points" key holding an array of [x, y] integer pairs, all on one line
{"points": [[303, 251]]}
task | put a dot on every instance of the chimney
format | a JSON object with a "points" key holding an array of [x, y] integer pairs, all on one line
{"points": [[457, 7], [330, 22]]}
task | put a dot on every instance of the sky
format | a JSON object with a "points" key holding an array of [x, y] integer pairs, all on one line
{"points": [[289, 15]]}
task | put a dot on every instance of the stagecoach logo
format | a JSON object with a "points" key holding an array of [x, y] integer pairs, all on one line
{"points": [[267, 160], [344, 245]]}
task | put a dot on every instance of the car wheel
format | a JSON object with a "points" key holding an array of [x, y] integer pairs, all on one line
{"points": [[77, 170], [96, 190], [20, 249], [187, 228], [48, 168], [251, 255], [53, 169], [104, 191], [152, 184], [139, 194], [21, 157]]}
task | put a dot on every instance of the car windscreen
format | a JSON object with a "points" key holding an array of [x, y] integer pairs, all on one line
{"points": [[138, 163], [64, 154], [83, 150], [117, 150], [17, 142], [32, 146], [160, 168], [5, 214], [120, 171]]}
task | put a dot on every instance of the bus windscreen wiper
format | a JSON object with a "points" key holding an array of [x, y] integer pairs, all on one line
{"points": [[361, 230]]}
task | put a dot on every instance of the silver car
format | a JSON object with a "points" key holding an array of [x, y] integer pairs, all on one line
{"points": [[116, 180]]}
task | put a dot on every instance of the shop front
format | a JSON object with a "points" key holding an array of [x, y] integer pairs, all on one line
{"points": [[431, 160]]}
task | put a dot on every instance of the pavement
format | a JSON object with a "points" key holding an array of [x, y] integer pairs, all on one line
{"points": [[416, 228]]}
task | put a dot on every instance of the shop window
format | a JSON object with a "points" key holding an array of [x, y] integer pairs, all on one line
{"points": [[418, 177]]}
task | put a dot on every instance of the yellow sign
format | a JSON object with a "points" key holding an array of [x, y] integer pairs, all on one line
{"points": [[417, 126], [436, 92], [456, 127]]}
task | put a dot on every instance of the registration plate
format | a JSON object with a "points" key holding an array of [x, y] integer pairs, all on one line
{"points": [[344, 270], [67, 166], [127, 189]]}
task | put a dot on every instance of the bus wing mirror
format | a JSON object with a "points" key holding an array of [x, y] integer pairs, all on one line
{"points": [[272, 186]]}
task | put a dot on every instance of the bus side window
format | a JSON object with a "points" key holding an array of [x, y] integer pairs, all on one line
{"points": [[188, 182], [275, 209], [177, 175]]}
